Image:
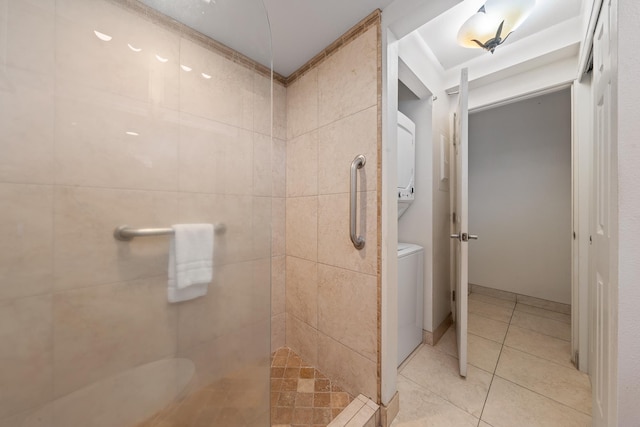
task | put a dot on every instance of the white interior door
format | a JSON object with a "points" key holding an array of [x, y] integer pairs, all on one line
{"points": [[461, 210], [602, 292]]}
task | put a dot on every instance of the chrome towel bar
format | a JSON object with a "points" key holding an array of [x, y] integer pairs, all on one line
{"points": [[126, 233], [358, 163]]}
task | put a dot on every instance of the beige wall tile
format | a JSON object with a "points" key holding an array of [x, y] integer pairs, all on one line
{"points": [[247, 349], [302, 105], [34, 418], [26, 374], [302, 290], [262, 167], [302, 225], [27, 121], [348, 80], [279, 167], [302, 165], [85, 251], [29, 35], [236, 298], [102, 330], [279, 111], [226, 97], [509, 404], [340, 143], [565, 385], [94, 149], [214, 157], [261, 236], [82, 59], [419, 405], [278, 331], [302, 339], [116, 400], [263, 106], [543, 346], [355, 373], [334, 245], [553, 328], [439, 373], [278, 286], [260, 293], [26, 247], [347, 309], [278, 226], [27, 127]]}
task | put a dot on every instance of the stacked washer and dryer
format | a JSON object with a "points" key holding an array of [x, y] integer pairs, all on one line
{"points": [[410, 256]]}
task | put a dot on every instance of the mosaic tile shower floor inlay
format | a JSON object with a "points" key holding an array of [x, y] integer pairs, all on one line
{"points": [[301, 396]]}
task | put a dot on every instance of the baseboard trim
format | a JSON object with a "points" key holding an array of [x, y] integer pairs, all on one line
{"points": [[432, 338]]}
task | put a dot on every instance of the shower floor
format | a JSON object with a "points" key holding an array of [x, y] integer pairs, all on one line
{"points": [[301, 396]]}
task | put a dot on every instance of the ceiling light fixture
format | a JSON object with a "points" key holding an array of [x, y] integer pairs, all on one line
{"points": [[493, 23]]}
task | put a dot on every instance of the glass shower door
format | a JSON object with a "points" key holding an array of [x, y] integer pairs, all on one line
{"points": [[147, 114]]}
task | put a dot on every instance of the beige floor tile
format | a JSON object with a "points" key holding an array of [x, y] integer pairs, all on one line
{"points": [[487, 328], [510, 405], [492, 300], [495, 312], [565, 385], [421, 407], [483, 424], [482, 353], [561, 317], [544, 346], [542, 325], [438, 372]]}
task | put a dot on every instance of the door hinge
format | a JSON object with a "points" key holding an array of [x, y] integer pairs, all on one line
{"points": [[576, 360], [453, 295], [574, 235]]}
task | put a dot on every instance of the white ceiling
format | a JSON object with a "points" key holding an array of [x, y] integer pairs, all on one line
{"points": [[300, 29]]}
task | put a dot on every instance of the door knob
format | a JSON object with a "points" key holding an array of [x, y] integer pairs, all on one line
{"points": [[465, 237]]}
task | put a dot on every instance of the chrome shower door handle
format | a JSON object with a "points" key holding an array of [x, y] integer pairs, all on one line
{"points": [[358, 163]]}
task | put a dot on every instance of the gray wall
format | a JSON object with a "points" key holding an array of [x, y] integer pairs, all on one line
{"points": [[520, 197]]}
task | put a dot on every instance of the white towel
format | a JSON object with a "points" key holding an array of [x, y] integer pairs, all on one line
{"points": [[190, 261]]}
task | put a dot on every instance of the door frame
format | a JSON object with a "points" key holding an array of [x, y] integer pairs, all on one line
{"points": [[581, 147]]}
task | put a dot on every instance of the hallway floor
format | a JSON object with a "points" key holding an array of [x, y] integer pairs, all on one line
{"points": [[519, 372]]}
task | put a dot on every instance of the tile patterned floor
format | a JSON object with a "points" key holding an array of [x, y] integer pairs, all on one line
{"points": [[519, 372], [301, 396]]}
